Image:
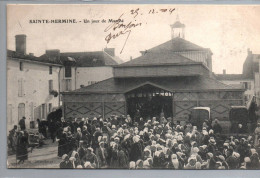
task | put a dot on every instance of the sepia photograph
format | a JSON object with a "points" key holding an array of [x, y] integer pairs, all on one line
{"points": [[144, 86]]}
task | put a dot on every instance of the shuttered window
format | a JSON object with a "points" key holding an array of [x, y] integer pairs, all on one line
{"points": [[67, 71], [50, 107], [44, 111], [50, 85], [20, 88]]}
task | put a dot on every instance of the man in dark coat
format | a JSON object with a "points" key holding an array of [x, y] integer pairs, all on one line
{"points": [[231, 160], [63, 143], [136, 150], [22, 123], [216, 127], [254, 159]]}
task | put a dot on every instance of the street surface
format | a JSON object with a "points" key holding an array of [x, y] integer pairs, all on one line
{"points": [[44, 157]]}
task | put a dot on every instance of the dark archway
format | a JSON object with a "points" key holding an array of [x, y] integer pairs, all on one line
{"points": [[148, 101]]}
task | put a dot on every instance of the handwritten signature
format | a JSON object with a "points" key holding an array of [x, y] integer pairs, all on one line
{"points": [[119, 28]]}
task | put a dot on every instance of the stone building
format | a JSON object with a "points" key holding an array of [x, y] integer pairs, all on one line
{"points": [[32, 85], [249, 79]]}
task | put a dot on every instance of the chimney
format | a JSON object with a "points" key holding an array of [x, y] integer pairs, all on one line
{"points": [[53, 54], [131, 58], [110, 51], [224, 71], [31, 54], [20, 44], [249, 52]]}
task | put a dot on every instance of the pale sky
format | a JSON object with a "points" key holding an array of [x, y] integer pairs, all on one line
{"points": [[227, 30]]}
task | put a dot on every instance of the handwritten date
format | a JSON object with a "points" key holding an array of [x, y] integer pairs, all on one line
{"points": [[119, 28]]}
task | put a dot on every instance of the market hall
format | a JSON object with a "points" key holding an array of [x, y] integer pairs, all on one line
{"points": [[167, 80]]}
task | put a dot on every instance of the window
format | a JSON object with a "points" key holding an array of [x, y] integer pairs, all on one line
{"points": [[20, 88], [67, 84], [21, 66], [50, 70], [67, 71], [21, 111], [249, 85], [43, 113], [9, 114], [50, 107], [50, 85]]}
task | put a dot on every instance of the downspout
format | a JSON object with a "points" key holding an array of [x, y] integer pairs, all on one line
{"points": [[75, 78]]}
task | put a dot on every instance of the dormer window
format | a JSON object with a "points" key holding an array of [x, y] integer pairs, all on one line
{"points": [[67, 71]]}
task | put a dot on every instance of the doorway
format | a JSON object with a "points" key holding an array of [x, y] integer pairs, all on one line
{"points": [[148, 101], [21, 111]]}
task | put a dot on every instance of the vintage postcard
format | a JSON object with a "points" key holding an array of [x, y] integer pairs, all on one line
{"points": [[133, 86]]}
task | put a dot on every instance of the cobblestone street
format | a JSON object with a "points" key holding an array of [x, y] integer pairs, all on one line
{"points": [[44, 157]]}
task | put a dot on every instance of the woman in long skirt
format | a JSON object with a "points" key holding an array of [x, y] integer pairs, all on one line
{"points": [[22, 145]]}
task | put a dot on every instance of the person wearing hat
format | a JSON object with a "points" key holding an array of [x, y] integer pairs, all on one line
{"points": [[231, 160], [22, 145], [78, 136], [191, 163], [217, 127], [22, 123], [174, 162], [66, 163], [257, 134], [86, 136], [96, 134], [90, 157], [101, 153], [132, 165], [254, 159], [81, 150], [114, 162], [136, 150], [221, 158], [88, 165], [139, 164], [212, 145], [62, 146]]}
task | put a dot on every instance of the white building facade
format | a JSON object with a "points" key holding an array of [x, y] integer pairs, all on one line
{"points": [[34, 83], [29, 87]]}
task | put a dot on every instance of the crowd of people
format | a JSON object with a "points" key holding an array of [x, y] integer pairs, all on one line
{"points": [[157, 143]]}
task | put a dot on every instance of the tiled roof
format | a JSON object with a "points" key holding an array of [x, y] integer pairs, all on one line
{"points": [[14, 54], [166, 53], [86, 59], [91, 59], [172, 84], [231, 77], [150, 58], [177, 45]]}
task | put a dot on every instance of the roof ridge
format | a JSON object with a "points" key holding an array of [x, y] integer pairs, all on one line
{"points": [[218, 81], [93, 84]]}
